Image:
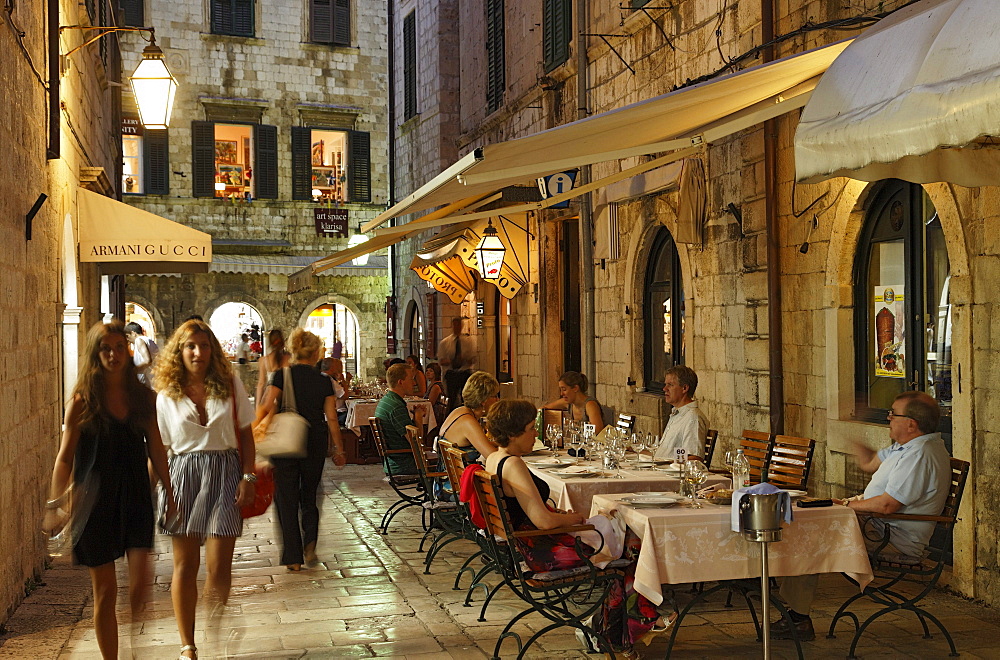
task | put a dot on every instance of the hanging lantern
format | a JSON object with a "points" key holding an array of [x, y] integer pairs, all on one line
{"points": [[154, 88], [490, 253]]}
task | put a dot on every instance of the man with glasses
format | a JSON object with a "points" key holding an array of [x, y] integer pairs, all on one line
{"points": [[912, 476]]}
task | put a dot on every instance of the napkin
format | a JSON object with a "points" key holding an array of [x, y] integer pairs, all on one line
{"points": [[577, 469], [539, 445], [763, 488]]}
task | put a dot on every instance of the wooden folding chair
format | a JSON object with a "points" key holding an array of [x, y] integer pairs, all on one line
{"points": [[710, 439], [756, 447], [893, 570], [407, 486], [564, 597], [790, 461], [442, 512]]}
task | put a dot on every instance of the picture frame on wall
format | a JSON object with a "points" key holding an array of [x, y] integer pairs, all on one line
{"points": [[231, 175], [318, 152], [226, 151]]}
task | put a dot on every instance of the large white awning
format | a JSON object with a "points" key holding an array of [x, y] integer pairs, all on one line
{"points": [[915, 98], [126, 239]]}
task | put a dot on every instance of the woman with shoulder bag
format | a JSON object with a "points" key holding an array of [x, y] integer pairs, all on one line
{"points": [[109, 433], [296, 480], [204, 416]]}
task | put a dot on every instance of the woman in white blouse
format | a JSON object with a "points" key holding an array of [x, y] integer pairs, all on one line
{"points": [[204, 417]]}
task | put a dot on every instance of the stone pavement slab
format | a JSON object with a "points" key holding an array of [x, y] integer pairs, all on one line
{"points": [[370, 598]]}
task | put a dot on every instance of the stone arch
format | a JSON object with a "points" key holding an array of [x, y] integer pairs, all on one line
{"points": [[328, 299], [265, 314], [162, 335]]}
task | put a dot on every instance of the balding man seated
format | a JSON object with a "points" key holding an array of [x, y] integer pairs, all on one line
{"points": [[911, 476]]}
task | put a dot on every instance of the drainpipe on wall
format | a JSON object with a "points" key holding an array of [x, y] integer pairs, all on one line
{"points": [[588, 339], [774, 319], [391, 133]]}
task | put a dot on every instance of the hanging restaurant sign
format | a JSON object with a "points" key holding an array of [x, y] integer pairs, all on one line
{"points": [[450, 276]]}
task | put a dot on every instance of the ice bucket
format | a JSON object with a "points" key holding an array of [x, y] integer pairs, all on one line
{"points": [[760, 517]]}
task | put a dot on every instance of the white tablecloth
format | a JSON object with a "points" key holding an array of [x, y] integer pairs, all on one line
{"points": [[359, 410], [682, 545], [576, 493]]}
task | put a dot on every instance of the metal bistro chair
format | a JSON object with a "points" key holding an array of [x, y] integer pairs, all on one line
{"points": [[564, 597], [790, 461], [407, 486], [892, 570], [710, 439], [756, 447], [442, 512]]}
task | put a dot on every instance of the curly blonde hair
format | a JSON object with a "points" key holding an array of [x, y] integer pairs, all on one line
{"points": [[304, 345], [170, 376], [480, 386]]}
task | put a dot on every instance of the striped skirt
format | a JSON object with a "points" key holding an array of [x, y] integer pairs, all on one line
{"points": [[205, 484]]}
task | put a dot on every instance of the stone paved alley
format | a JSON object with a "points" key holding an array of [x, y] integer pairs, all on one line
{"points": [[370, 598]]}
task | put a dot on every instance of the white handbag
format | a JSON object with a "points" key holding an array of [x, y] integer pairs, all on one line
{"points": [[287, 431]]}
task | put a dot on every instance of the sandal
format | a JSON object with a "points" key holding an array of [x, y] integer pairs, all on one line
{"points": [[295, 568], [185, 649]]}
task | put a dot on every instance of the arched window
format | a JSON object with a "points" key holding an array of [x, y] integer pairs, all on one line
{"points": [[415, 332], [902, 312], [663, 307], [232, 319]]}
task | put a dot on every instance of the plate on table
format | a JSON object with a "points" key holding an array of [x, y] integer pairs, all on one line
{"points": [[657, 501], [577, 471], [646, 463], [668, 467], [795, 494], [550, 462]]}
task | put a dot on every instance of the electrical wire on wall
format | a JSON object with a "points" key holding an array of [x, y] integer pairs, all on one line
{"points": [[19, 35]]}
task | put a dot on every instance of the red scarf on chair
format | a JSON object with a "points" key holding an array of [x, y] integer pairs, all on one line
{"points": [[467, 493]]}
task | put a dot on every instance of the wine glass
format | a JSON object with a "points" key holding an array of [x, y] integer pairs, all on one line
{"points": [[695, 476], [730, 460], [618, 449], [638, 446], [550, 436]]}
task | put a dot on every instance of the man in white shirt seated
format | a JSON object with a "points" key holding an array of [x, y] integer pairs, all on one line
{"points": [[144, 351], [686, 426], [334, 368]]}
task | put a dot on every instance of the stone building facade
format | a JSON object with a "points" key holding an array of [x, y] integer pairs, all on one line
{"points": [[58, 132], [722, 279], [280, 115]]}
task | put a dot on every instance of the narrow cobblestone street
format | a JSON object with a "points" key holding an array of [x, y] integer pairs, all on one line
{"points": [[370, 598]]}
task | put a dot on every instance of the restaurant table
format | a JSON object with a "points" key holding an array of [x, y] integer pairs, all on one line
{"points": [[576, 493], [681, 544], [359, 410]]}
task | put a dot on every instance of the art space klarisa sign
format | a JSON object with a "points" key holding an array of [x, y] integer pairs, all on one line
{"points": [[890, 316]]}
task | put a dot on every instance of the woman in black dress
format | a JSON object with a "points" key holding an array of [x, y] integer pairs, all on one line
{"points": [[110, 431], [296, 480]]}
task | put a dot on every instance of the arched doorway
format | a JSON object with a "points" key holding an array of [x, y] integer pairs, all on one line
{"points": [[336, 324], [415, 332], [232, 319], [136, 313]]}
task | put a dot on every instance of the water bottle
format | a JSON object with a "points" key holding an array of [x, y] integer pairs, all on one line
{"points": [[539, 426], [741, 470]]}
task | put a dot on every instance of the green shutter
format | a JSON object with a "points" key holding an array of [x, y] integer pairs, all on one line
{"points": [[557, 31], [265, 171], [156, 162], [321, 21], [359, 175], [495, 73], [203, 158], [130, 13], [301, 163], [410, 65], [342, 22]]}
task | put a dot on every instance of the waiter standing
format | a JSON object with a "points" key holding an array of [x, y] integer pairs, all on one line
{"points": [[457, 357]]}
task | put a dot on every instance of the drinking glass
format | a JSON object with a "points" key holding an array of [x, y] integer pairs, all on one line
{"points": [[730, 459], [695, 476], [550, 436], [638, 446], [619, 448]]}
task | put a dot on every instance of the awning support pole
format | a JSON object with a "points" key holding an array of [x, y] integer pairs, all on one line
{"points": [[588, 340], [776, 379]]}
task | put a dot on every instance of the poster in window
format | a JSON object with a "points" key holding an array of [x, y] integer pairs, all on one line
{"points": [[318, 152], [225, 151], [890, 318]]}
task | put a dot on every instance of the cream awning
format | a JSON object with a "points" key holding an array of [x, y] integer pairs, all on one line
{"points": [[691, 116], [915, 98], [125, 239]]}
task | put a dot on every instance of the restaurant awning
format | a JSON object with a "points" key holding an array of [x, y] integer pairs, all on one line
{"points": [[127, 240], [691, 116], [914, 98]]}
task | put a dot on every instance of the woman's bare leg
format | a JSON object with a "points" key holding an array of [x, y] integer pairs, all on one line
{"points": [[105, 585], [138, 580], [184, 585], [219, 568]]}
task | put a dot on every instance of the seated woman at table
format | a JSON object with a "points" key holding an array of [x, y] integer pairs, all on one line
{"points": [[435, 389], [461, 428], [626, 616], [420, 380], [573, 397]]}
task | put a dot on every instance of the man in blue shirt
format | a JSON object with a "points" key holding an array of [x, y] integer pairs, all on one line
{"points": [[911, 476], [391, 410]]}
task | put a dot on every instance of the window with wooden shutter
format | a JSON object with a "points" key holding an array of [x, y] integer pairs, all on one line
{"points": [[410, 65], [330, 22], [359, 180], [233, 17], [131, 12], [495, 74], [203, 158], [266, 161], [557, 29], [301, 163], [156, 162]]}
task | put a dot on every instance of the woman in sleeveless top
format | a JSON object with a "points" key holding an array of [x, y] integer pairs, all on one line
{"points": [[573, 398], [110, 432], [625, 616], [419, 379], [277, 358], [461, 428]]}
